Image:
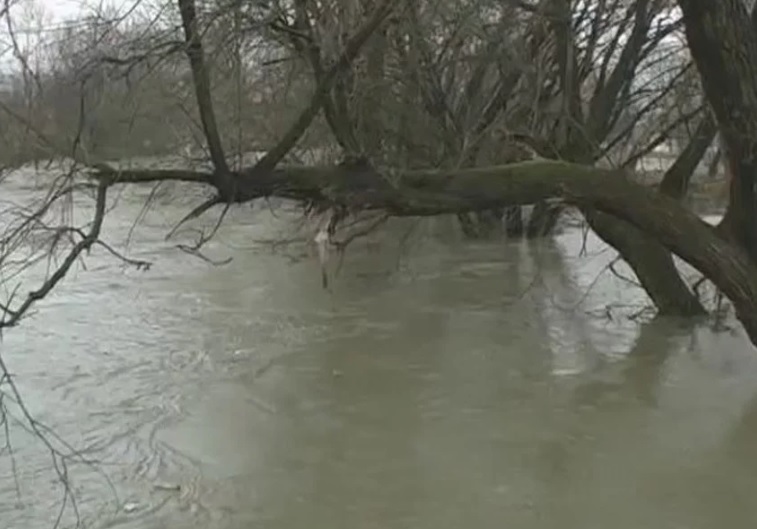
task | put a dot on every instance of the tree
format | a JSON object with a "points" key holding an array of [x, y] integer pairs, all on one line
{"points": [[722, 32], [645, 226], [483, 79]]}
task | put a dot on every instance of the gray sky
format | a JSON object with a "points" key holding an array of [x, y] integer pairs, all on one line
{"points": [[27, 17], [61, 9]]}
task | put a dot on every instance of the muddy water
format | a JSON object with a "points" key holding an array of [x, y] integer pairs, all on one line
{"points": [[440, 384]]}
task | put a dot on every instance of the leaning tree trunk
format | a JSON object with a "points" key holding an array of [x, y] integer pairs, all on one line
{"points": [[651, 262], [723, 43], [724, 46]]}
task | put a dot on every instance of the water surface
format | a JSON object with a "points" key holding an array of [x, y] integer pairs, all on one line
{"points": [[439, 384]]}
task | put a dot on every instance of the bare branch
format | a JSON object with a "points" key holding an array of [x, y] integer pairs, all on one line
{"points": [[201, 78], [351, 50], [14, 316]]}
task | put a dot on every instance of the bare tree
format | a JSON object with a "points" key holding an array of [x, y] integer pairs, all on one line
{"points": [[514, 103], [465, 97]]}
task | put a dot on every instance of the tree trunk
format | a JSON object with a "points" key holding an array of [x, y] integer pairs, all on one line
{"points": [[543, 220], [514, 221], [723, 43], [650, 261]]}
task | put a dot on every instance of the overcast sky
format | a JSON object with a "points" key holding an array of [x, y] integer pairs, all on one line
{"points": [[62, 9]]}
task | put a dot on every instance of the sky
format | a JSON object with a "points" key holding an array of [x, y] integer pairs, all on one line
{"points": [[34, 20], [61, 9], [58, 11]]}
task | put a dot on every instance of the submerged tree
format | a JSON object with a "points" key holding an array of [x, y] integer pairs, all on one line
{"points": [[455, 155]]}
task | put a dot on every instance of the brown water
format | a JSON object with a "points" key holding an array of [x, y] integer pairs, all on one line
{"points": [[439, 385]]}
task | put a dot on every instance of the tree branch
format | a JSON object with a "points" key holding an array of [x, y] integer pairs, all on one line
{"points": [[195, 54], [13, 316], [335, 102], [675, 183], [351, 50]]}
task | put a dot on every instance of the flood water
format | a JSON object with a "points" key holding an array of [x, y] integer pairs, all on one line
{"points": [[439, 384]]}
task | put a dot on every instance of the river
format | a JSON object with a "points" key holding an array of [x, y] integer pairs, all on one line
{"points": [[438, 384]]}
